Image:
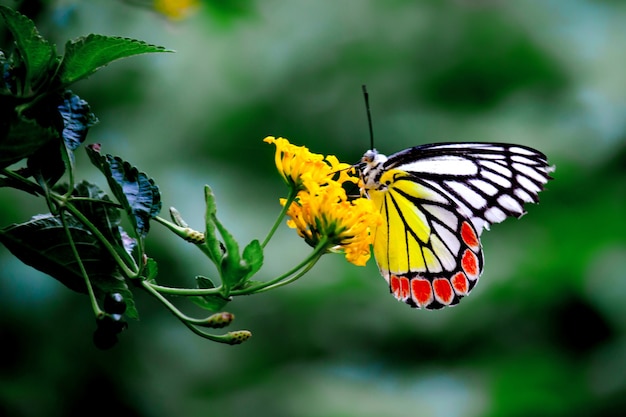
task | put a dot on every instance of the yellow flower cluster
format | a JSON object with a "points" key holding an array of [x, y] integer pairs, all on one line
{"points": [[175, 9], [322, 210]]}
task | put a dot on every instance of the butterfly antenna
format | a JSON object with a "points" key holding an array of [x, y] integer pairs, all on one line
{"points": [[366, 96]]}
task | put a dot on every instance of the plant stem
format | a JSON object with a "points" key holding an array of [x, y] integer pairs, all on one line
{"points": [[153, 291], [290, 199], [279, 281], [185, 291], [83, 271], [292, 279], [128, 272], [33, 188], [283, 279], [186, 320]]}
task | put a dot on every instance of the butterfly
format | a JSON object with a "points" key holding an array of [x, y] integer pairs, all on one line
{"points": [[435, 201]]}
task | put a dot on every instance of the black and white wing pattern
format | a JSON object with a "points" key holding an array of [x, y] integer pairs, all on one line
{"points": [[488, 181]]}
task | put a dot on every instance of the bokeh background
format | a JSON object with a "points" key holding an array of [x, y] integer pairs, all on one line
{"points": [[543, 334]]}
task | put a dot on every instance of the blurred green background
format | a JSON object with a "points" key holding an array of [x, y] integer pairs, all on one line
{"points": [[543, 334]]}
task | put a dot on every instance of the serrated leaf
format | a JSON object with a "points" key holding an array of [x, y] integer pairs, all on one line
{"points": [[86, 55], [77, 119], [136, 192], [43, 244], [37, 53]]}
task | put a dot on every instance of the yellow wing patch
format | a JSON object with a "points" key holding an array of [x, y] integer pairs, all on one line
{"points": [[419, 244]]}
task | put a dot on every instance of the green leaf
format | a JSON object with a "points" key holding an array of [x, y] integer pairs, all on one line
{"points": [[23, 139], [212, 243], [151, 270], [43, 244], [212, 302], [86, 55], [136, 192], [37, 53], [253, 257], [233, 269]]}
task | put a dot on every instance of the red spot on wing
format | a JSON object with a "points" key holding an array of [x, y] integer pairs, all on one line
{"points": [[399, 287], [443, 291], [469, 263], [469, 236], [422, 292], [460, 283]]}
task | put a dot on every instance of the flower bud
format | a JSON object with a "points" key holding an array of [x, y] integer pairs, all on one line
{"points": [[238, 337]]}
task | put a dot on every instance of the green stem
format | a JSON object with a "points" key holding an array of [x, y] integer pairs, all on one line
{"points": [[180, 231], [171, 307], [97, 201], [221, 338], [290, 199], [292, 279], [33, 187], [183, 232], [186, 320], [284, 279], [128, 272], [185, 291], [83, 271], [279, 281], [67, 159]]}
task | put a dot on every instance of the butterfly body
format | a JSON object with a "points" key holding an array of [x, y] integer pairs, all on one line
{"points": [[435, 201]]}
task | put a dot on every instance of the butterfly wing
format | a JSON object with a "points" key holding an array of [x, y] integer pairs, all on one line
{"points": [[436, 200], [488, 181]]}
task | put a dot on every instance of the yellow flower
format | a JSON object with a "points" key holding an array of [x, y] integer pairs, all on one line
{"points": [[175, 9], [322, 210], [293, 161]]}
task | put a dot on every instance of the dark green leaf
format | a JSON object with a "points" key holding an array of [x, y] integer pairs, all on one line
{"points": [[86, 55], [213, 302], [47, 164], [71, 117], [98, 208], [77, 119], [23, 139], [135, 191], [37, 53], [42, 243]]}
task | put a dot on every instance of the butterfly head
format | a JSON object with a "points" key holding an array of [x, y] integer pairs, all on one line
{"points": [[371, 168]]}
